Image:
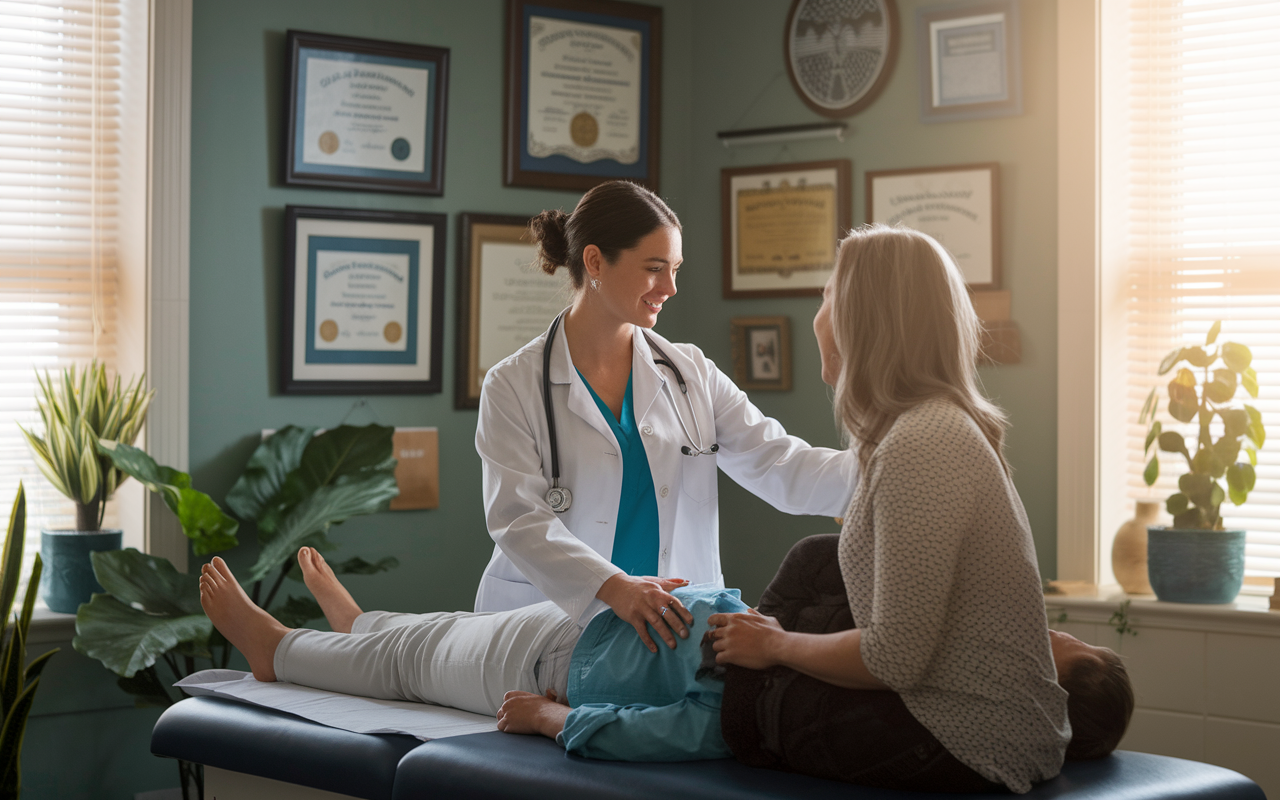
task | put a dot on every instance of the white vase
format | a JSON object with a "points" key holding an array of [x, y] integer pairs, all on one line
{"points": [[1129, 550]]}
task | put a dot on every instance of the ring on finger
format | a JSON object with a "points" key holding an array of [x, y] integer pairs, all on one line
{"points": [[664, 611]]}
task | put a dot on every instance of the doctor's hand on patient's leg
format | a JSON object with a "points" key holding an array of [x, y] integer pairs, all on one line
{"points": [[647, 600], [525, 712], [335, 601]]}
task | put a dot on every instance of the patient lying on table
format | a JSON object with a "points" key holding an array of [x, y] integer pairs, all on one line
{"points": [[627, 703], [598, 691]]}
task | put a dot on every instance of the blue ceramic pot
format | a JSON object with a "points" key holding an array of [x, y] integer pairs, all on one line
{"points": [[68, 578], [1195, 566]]}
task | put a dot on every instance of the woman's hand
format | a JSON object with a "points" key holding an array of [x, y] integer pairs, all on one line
{"points": [[525, 712], [647, 601], [749, 639]]}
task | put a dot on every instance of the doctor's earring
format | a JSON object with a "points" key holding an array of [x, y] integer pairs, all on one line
{"points": [[595, 284]]}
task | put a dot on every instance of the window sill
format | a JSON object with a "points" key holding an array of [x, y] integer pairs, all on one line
{"points": [[1249, 614], [50, 626]]}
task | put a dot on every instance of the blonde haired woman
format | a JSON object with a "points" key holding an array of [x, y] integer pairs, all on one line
{"points": [[936, 561]]}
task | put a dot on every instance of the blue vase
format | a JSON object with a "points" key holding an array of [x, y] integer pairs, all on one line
{"points": [[68, 578], [1195, 566]]}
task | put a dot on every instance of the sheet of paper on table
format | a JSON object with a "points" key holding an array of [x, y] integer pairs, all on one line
{"points": [[356, 714]]}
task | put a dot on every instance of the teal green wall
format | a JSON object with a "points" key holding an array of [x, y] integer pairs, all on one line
{"points": [[720, 56], [740, 82]]}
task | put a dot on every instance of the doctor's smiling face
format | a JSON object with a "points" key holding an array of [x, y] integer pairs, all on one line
{"points": [[634, 287]]}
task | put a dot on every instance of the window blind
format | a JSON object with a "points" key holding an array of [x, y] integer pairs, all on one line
{"points": [[60, 73], [1203, 222]]}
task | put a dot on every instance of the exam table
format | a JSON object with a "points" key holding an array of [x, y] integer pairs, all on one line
{"points": [[255, 753]]}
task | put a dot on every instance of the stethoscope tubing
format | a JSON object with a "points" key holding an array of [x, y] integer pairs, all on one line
{"points": [[560, 498]]}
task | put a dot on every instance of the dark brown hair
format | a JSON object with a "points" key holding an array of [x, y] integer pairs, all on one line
{"points": [[1099, 704], [613, 216]]}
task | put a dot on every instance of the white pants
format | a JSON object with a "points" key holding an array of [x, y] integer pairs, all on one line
{"points": [[459, 659]]}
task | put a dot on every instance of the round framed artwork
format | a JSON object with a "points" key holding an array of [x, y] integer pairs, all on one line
{"points": [[840, 53]]}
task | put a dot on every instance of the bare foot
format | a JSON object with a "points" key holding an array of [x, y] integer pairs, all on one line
{"points": [[253, 631], [334, 599]]}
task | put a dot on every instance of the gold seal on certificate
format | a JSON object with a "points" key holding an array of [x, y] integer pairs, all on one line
{"points": [[786, 228], [584, 91]]}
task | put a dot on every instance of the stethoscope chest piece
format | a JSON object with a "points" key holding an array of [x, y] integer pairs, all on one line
{"points": [[559, 498]]}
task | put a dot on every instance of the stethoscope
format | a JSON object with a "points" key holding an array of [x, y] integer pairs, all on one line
{"points": [[559, 497]]}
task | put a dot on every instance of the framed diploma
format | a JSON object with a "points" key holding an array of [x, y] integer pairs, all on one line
{"points": [[365, 114], [762, 353], [959, 206], [362, 302], [504, 301], [969, 61], [583, 93], [780, 226]]}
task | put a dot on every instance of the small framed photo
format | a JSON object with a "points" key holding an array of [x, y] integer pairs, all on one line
{"points": [[583, 93], [959, 206], [780, 226], [762, 353], [365, 114], [504, 301], [970, 64], [362, 302]]}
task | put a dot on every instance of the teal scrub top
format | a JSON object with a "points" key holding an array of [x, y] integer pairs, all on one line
{"points": [[635, 539]]}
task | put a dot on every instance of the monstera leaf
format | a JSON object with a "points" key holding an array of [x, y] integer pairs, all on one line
{"points": [[151, 609], [298, 485], [348, 496], [208, 528]]}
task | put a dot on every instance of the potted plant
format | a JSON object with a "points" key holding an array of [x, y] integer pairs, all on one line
{"points": [[18, 679], [1197, 560], [78, 410]]}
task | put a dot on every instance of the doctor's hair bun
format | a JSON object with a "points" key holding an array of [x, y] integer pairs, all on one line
{"points": [[614, 216], [547, 232]]}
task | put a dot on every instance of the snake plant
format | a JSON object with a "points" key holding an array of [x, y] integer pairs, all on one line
{"points": [[80, 408]]}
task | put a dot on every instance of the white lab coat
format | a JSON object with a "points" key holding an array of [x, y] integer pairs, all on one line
{"points": [[542, 555]]}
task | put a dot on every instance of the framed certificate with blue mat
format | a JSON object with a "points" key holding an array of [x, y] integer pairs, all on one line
{"points": [[362, 302], [365, 114], [583, 93]]}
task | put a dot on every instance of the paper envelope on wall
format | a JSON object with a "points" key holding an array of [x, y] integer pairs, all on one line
{"points": [[417, 452]]}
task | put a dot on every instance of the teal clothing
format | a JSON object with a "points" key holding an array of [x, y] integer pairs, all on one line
{"points": [[633, 705], [635, 538]]}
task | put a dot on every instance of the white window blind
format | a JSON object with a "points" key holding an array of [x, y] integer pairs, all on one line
{"points": [[60, 73], [1203, 222]]}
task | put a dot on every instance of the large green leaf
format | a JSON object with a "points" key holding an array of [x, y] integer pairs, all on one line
{"points": [[147, 582], [258, 489], [147, 689], [350, 495], [1223, 386], [1236, 356], [204, 523], [297, 611], [344, 450], [11, 565], [1256, 432], [127, 639]]}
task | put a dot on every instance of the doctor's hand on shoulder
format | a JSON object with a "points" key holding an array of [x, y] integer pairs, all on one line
{"points": [[646, 600]]}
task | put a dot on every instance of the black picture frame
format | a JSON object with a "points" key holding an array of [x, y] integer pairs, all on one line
{"points": [[419, 370], [371, 53], [553, 170]]}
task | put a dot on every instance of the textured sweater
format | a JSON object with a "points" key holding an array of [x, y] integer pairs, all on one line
{"points": [[941, 574]]}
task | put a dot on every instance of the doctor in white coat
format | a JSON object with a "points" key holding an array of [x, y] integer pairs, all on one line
{"points": [[641, 425]]}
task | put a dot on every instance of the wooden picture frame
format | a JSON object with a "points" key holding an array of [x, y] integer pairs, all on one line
{"points": [[581, 139], [788, 248], [970, 61], [495, 321], [957, 205], [400, 92], [362, 302], [762, 353], [819, 55]]}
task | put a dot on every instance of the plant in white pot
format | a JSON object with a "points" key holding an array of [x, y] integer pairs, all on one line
{"points": [[1197, 560], [79, 408]]}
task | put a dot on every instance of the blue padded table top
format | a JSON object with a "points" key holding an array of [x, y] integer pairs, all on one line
{"points": [[499, 765], [272, 744]]}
